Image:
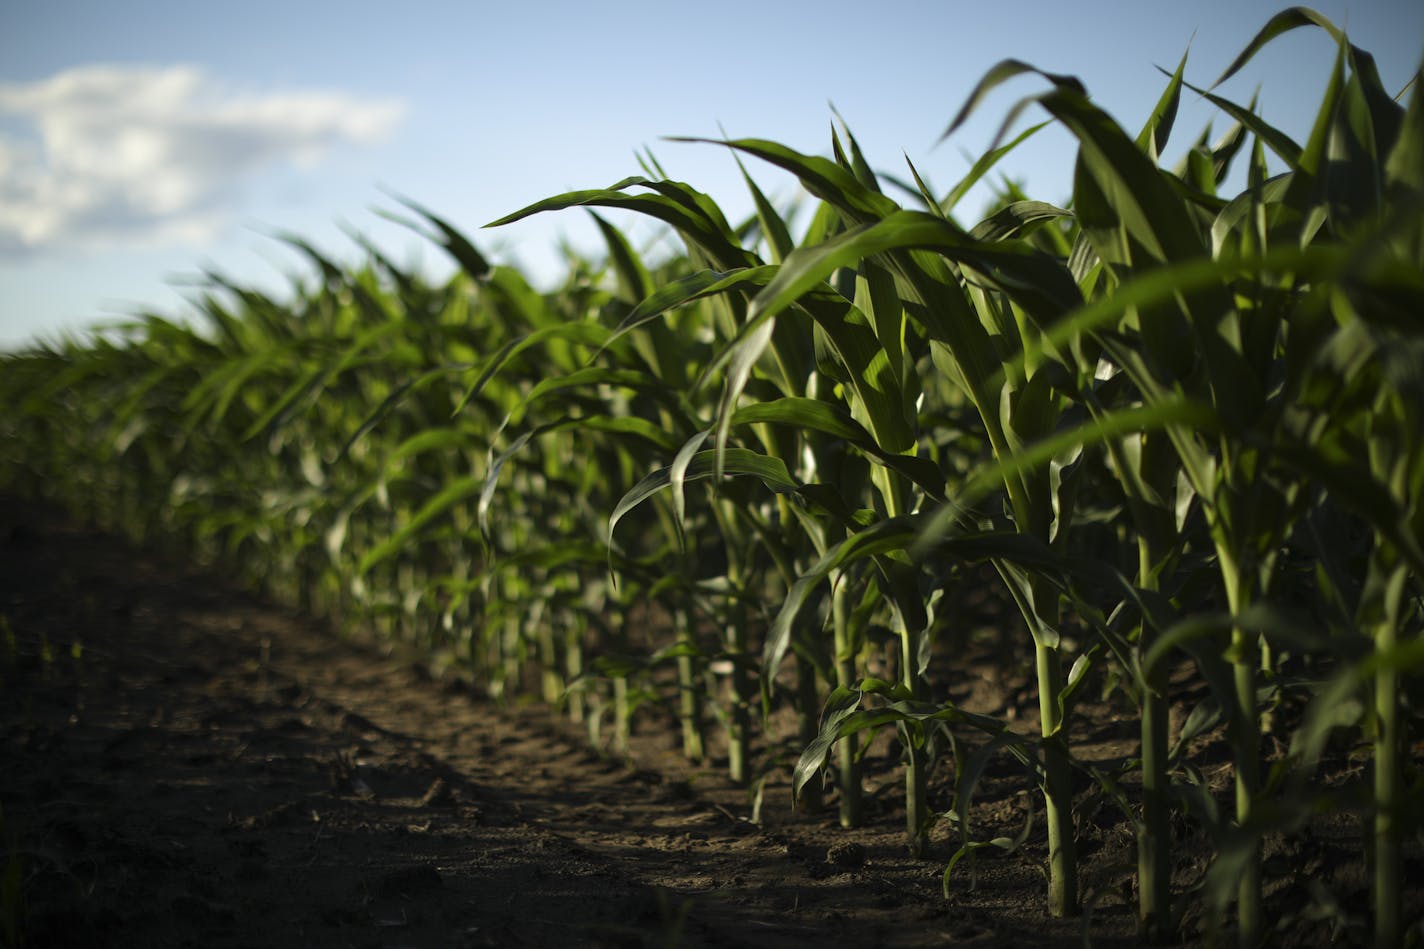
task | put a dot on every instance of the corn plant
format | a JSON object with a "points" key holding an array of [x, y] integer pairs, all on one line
{"points": [[1269, 323], [1180, 424]]}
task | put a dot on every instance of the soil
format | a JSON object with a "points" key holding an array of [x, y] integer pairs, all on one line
{"points": [[184, 764]]}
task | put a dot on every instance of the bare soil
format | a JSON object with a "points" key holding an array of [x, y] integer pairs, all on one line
{"points": [[183, 764]]}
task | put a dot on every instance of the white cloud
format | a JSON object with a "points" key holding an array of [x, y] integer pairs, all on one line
{"points": [[135, 154]]}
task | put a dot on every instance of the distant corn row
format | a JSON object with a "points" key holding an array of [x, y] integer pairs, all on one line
{"points": [[1181, 425]]}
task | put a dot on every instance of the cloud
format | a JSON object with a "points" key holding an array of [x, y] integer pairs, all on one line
{"points": [[148, 155]]}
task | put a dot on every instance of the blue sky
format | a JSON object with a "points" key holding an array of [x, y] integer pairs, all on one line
{"points": [[144, 139]]}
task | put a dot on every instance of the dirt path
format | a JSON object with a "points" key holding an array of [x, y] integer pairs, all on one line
{"points": [[183, 765]]}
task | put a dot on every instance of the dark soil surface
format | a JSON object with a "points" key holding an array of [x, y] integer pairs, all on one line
{"points": [[182, 764]]}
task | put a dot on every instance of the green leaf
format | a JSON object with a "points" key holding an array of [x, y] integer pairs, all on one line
{"points": [[982, 166], [455, 243], [679, 206], [588, 334], [634, 284], [1153, 137], [677, 478], [452, 494], [997, 75], [814, 415], [1178, 411], [315, 379], [738, 462], [1282, 22], [1034, 280], [401, 392]]}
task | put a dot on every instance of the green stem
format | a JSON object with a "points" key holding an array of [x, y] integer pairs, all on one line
{"points": [[911, 736], [689, 699], [847, 767], [1387, 881], [1154, 840], [622, 718], [1247, 740], [551, 683], [573, 666], [405, 617], [916, 809], [739, 721], [894, 491], [511, 672], [1057, 786]]}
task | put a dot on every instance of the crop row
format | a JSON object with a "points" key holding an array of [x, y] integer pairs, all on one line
{"points": [[1180, 424]]}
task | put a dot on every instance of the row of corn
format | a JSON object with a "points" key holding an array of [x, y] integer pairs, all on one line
{"points": [[1182, 425]]}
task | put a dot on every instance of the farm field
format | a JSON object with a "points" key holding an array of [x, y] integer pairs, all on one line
{"points": [[215, 770], [851, 575]]}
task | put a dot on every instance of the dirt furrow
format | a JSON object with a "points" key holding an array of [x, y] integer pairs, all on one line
{"points": [[187, 765]]}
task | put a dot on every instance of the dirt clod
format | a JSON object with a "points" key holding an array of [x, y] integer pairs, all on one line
{"points": [[846, 854]]}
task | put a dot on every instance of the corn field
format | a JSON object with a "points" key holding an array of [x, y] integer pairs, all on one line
{"points": [[1176, 425]]}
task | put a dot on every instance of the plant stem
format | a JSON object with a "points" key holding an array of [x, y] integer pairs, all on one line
{"points": [[1387, 857], [916, 810], [689, 701], [621, 715], [1388, 740], [739, 721], [551, 683], [1247, 739], [1154, 867], [1057, 786], [1154, 841], [573, 666], [912, 737], [847, 768]]}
